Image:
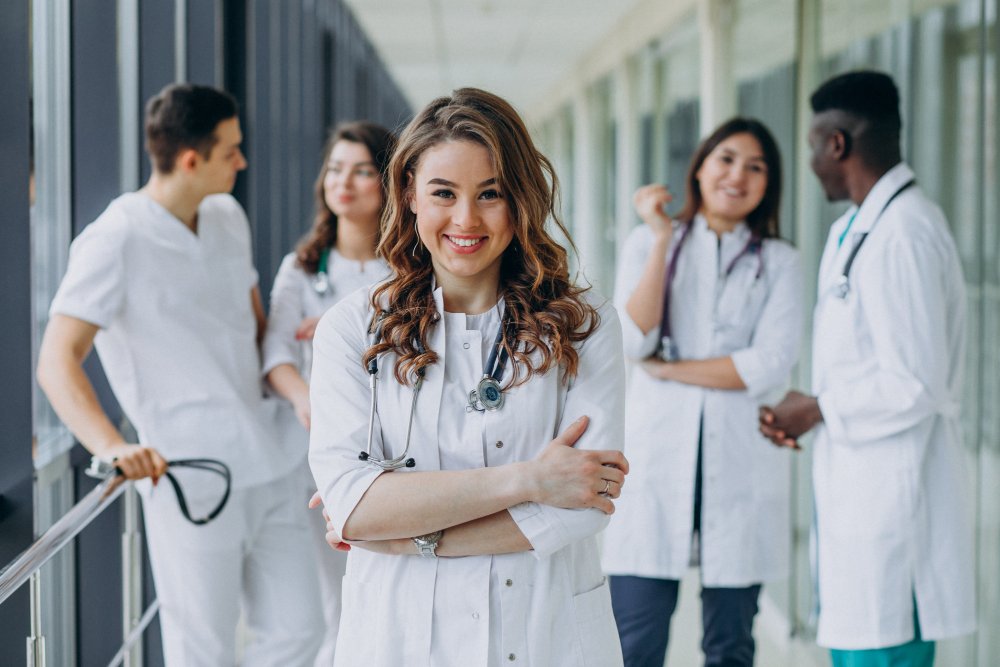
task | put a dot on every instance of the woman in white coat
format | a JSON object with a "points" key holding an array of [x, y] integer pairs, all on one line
{"points": [[470, 514], [712, 311], [335, 258]]}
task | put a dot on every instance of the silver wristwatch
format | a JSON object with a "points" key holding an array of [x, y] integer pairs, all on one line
{"points": [[426, 544]]}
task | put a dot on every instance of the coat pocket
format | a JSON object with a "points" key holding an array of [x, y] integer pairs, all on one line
{"points": [[359, 621], [597, 635]]}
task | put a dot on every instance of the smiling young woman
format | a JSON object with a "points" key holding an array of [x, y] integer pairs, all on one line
{"points": [[494, 445], [712, 310]]}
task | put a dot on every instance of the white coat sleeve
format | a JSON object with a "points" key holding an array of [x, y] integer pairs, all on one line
{"points": [[339, 395], [906, 311], [631, 264], [774, 346], [285, 314], [598, 391]]}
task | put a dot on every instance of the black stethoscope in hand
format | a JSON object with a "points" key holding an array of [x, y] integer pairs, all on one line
{"points": [[100, 469]]}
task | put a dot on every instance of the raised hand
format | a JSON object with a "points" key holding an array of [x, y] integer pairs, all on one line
{"points": [[650, 203]]}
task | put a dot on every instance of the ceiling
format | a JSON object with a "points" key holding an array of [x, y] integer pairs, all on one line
{"points": [[518, 49]]}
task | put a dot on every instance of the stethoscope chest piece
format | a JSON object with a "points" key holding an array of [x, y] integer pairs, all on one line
{"points": [[487, 394], [843, 287], [321, 283]]}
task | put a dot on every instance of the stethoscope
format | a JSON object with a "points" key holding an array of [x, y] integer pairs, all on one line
{"points": [[101, 469], [844, 281], [668, 347], [488, 395], [321, 283]]}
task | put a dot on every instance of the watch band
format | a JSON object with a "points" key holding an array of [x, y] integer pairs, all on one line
{"points": [[427, 544]]}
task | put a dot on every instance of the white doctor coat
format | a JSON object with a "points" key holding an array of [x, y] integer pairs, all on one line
{"points": [[549, 607], [892, 519], [745, 528]]}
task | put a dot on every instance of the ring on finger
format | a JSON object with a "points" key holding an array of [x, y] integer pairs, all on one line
{"points": [[607, 487]]}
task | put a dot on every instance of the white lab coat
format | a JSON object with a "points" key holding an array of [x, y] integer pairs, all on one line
{"points": [[549, 607], [892, 517], [745, 528]]}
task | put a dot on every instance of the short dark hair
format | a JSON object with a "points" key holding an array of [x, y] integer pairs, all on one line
{"points": [[182, 116], [763, 220], [867, 94]]}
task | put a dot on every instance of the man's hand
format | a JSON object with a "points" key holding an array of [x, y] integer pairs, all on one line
{"points": [[790, 419], [136, 461]]}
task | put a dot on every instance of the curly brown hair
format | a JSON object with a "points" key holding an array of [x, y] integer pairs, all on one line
{"points": [[323, 234], [546, 311]]}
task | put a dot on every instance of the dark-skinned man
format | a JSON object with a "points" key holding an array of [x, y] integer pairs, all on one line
{"points": [[895, 565]]}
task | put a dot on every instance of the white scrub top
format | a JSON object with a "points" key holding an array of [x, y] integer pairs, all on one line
{"points": [[294, 298], [177, 335], [745, 525], [549, 607], [892, 514]]}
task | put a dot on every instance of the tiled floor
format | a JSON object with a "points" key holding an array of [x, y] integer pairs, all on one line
{"points": [[774, 649]]}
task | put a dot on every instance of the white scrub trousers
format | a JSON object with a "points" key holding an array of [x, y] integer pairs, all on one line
{"points": [[257, 552]]}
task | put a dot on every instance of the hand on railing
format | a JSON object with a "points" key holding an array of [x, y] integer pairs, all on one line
{"points": [[133, 462]]}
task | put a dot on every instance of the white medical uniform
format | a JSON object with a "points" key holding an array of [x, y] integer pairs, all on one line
{"points": [[547, 608], [177, 342], [745, 525], [293, 299], [892, 515]]}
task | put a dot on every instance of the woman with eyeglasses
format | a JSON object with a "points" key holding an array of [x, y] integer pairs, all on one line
{"points": [[335, 258]]}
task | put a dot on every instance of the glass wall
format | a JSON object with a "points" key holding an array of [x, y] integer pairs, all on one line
{"points": [[678, 108]]}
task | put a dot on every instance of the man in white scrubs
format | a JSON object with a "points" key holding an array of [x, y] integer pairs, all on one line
{"points": [[895, 559], [163, 284]]}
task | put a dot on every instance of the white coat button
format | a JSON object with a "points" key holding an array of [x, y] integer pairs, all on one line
{"points": [[465, 346], [509, 582], [475, 615], [499, 444]]}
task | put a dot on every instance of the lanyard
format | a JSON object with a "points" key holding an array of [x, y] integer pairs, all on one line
{"points": [[668, 348], [844, 282]]}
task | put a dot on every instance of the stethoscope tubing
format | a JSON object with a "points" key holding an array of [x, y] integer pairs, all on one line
{"points": [[208, 465]]}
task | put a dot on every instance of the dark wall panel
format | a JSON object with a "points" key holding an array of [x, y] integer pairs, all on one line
{"points": [[202, 32], [15, 336]]}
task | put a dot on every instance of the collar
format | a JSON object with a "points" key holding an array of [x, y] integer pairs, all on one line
{"points": [[881, 192], [739, 234]]}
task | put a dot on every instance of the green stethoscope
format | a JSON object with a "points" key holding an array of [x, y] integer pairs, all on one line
{"points": [[321, 283]]}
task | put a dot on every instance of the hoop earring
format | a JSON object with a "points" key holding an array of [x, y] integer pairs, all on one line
{"points": [[416, 244]]}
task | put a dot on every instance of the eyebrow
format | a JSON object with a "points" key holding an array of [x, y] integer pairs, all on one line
{"points": [[442, 181], [730, 151], [356, 164]]}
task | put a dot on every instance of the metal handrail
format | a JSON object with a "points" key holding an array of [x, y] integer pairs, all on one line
{"points": [[27, 568], [19, 571]]}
